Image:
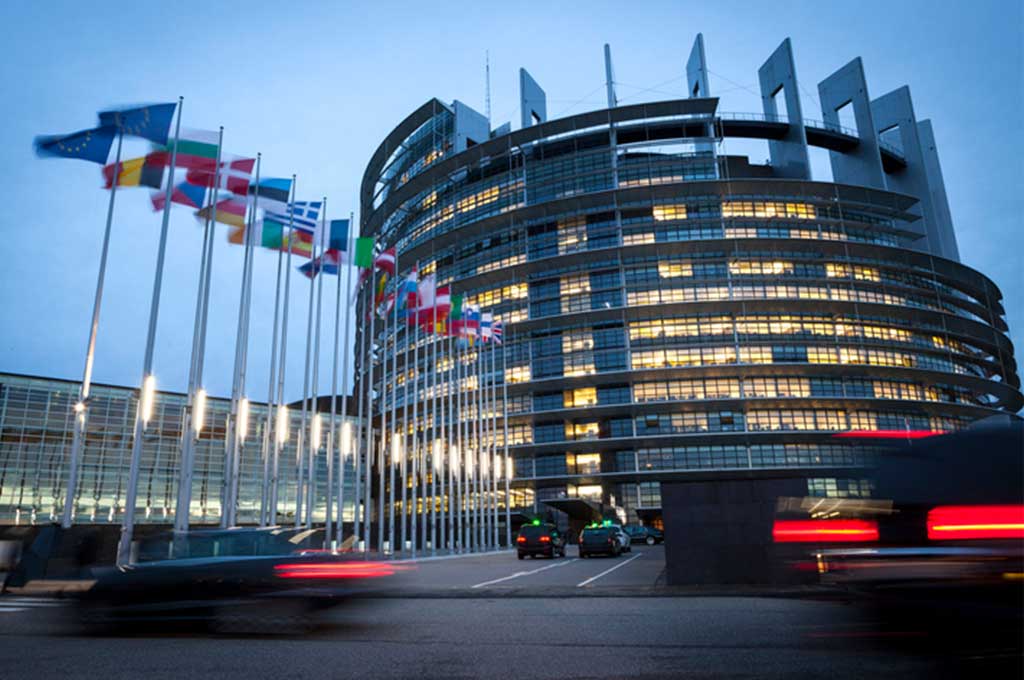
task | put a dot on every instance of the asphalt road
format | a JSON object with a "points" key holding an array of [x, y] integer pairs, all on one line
{"points": [[436, 624]]}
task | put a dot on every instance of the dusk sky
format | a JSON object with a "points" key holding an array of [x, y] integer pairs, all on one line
{"points": [[316, 86]]}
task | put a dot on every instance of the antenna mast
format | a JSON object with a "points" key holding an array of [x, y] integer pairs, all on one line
{"points": [[487, 77]]}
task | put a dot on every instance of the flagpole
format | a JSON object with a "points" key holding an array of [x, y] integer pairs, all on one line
{"points": [[442, 462], [347, 441], [368, 500], [314, 406], [405, 418], [433, 421], [334, 412], [300, 443], [481, 447], [141, 417], [496, 467], [237, 439], [189, 431], [504, 423], [415, 409], [450, 438], [394, 409], [463, 445], [358, 511], [385, 432], [82, 406], [265, 453], [282, 422]]}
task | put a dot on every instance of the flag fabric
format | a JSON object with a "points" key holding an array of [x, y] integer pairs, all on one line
{"points": [[496, 333], [229, 211], [456, 312], [235, 175], [136, 172], [328, 263], [197, 150], [152, 122], [486, 320], [364, 252], [184, 193], [272, 235], [87, 145], [338, 235], [274, 193], [304, 215], [386, 261], [407, 293], [378, 298]]}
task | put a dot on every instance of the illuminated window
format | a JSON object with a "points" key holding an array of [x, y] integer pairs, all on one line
{"points": [[664, 213], [572, 235], [584, 396], [582, 430], [429, 200], [592, 491], [760, 268], [803, 211], [517, 374], [671, 270], [573, 285], [585, 463], [755, 355], [481, 198]]}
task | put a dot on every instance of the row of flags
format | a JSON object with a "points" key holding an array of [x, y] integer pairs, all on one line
{"points": [[286, 225]]}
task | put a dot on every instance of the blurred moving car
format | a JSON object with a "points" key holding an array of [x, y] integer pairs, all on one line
{"points": [[599, 539], [236, 580], [623, 537], [642, 534], [942, 539], [539, 538]]}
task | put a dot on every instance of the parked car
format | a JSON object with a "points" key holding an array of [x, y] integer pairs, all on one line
{"points": [[623, 537], [600, 540], [642, 534], [539, 538]]}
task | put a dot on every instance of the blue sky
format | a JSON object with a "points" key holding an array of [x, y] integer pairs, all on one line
{"points": [[314, 86]]}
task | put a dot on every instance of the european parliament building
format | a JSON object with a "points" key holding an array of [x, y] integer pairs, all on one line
{"points": [[675, 312], [671, 311]]}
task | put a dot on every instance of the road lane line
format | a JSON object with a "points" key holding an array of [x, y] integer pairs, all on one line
{"points": [[608, 571], [524, 573], [12, 609]]}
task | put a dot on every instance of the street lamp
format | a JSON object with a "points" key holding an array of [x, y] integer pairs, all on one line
{"points": [[148, 393], [282, 424], [243, 419], [314, 434], [200, 411]]}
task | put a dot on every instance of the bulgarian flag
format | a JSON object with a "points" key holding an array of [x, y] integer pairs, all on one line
{"points": [[197, 149]]}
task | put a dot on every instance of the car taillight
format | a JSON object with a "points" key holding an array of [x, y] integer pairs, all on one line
{"points": [[334, 570], [824, 531], [947, 522], [545, 539], [521, 539]]}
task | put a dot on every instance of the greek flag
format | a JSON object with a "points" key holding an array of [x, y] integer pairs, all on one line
{"points": [[305, 215]]}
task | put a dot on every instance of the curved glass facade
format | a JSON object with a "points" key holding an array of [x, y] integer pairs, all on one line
{"points": [[665, 315]]}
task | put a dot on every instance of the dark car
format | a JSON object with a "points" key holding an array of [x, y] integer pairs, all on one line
{"points": [[234, 580], [600, 540], [539, 538], [641, 534]]}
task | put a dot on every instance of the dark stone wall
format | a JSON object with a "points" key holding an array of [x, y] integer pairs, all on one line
{"points": [[720, 532]]}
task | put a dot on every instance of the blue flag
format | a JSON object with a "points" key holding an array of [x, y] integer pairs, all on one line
{"points": [[338, 239], [88, 145], [151, 122]]}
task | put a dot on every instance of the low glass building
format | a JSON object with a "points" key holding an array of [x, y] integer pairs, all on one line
{"points": [[35, 440], [672, 311]]}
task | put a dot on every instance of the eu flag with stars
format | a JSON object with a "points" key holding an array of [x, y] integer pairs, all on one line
{"points": [[88, 145], [152, 122]]}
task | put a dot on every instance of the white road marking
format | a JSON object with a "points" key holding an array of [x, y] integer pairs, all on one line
{"points": [[31, 602], [11, 609], [608, 571], [525, 573]]}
